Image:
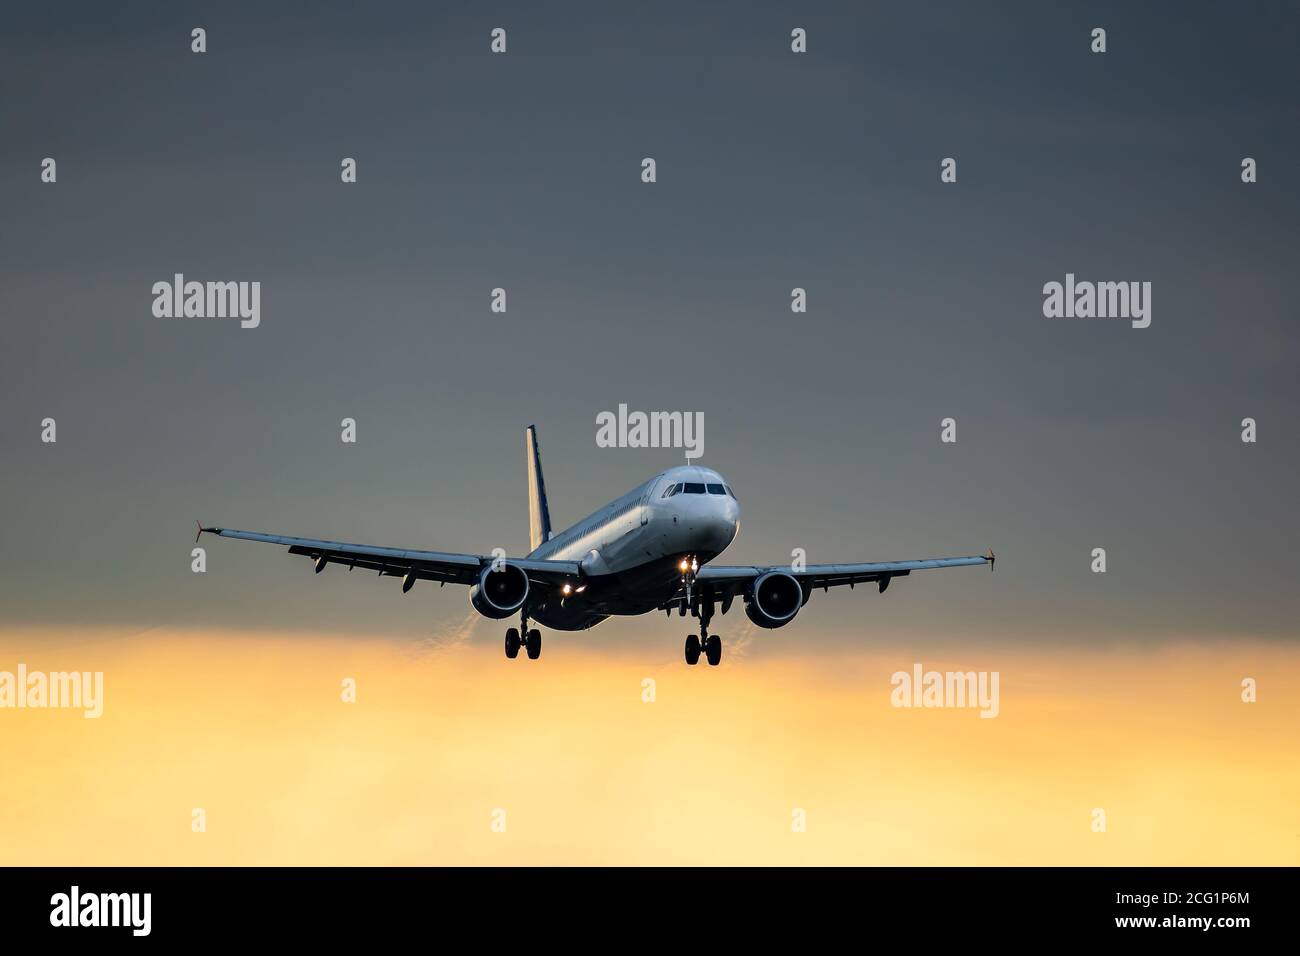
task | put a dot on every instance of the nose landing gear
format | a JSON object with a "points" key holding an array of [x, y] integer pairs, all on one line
{"points": [[688, 565]]}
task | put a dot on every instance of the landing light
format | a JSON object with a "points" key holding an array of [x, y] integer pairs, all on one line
{"points": [[566, 590], [683, 565]]}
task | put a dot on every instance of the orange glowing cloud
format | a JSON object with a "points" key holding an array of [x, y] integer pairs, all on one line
{"points": [[588, 756]]}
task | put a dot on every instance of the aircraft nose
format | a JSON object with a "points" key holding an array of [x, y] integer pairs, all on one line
{"points": [[708, 522], [731, 514], [726, 523]]}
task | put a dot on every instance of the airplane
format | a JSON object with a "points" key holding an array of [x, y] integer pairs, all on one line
{"points": [[648, 550]]}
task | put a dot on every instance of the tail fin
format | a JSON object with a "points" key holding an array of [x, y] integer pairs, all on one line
{"points": [[539, 515]]}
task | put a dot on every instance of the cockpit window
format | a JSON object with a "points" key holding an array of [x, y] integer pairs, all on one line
{"points": [[694, 488], [731, 491], [717, 490], [672, 490]]}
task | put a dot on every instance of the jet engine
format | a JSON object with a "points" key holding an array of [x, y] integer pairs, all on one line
{"points": [[775, 600], [501, 590]]}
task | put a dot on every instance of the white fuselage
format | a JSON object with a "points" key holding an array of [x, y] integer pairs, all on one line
{"points": [[639, 538], [644, 525]]}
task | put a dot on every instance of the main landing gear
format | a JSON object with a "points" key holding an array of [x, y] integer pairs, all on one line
{"points": [[531, 640], [711, 647], [709, 644]]}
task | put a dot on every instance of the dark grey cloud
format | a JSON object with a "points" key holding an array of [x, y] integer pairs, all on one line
{"points": [[775, 171]]}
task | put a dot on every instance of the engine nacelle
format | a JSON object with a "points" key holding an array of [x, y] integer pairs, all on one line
{"points": [[776, 599], [501, 590]]}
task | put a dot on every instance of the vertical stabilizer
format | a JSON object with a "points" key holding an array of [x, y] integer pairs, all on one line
{"points": [[539, 515]]}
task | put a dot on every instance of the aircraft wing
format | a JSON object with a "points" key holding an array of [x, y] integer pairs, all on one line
{"points": [[445, 566], [729, 581]]}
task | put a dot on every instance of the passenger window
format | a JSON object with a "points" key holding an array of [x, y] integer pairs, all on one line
{"points": [[716, 490], [694, 488]]}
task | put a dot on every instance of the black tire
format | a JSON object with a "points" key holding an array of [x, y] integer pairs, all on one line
{"points": [[713, 650], [692, 650], [534, 645], [512, 643]]}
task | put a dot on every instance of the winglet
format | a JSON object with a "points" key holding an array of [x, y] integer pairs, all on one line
{"points": [[990, 557], [198, 524]]}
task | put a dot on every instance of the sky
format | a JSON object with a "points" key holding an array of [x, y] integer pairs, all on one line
{"points": [[775, 170], [444, 739]]}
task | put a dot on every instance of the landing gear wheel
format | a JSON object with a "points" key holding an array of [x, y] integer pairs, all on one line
{"points": [[512, 643], [713, 649], [692, 650], [534, 645]]}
